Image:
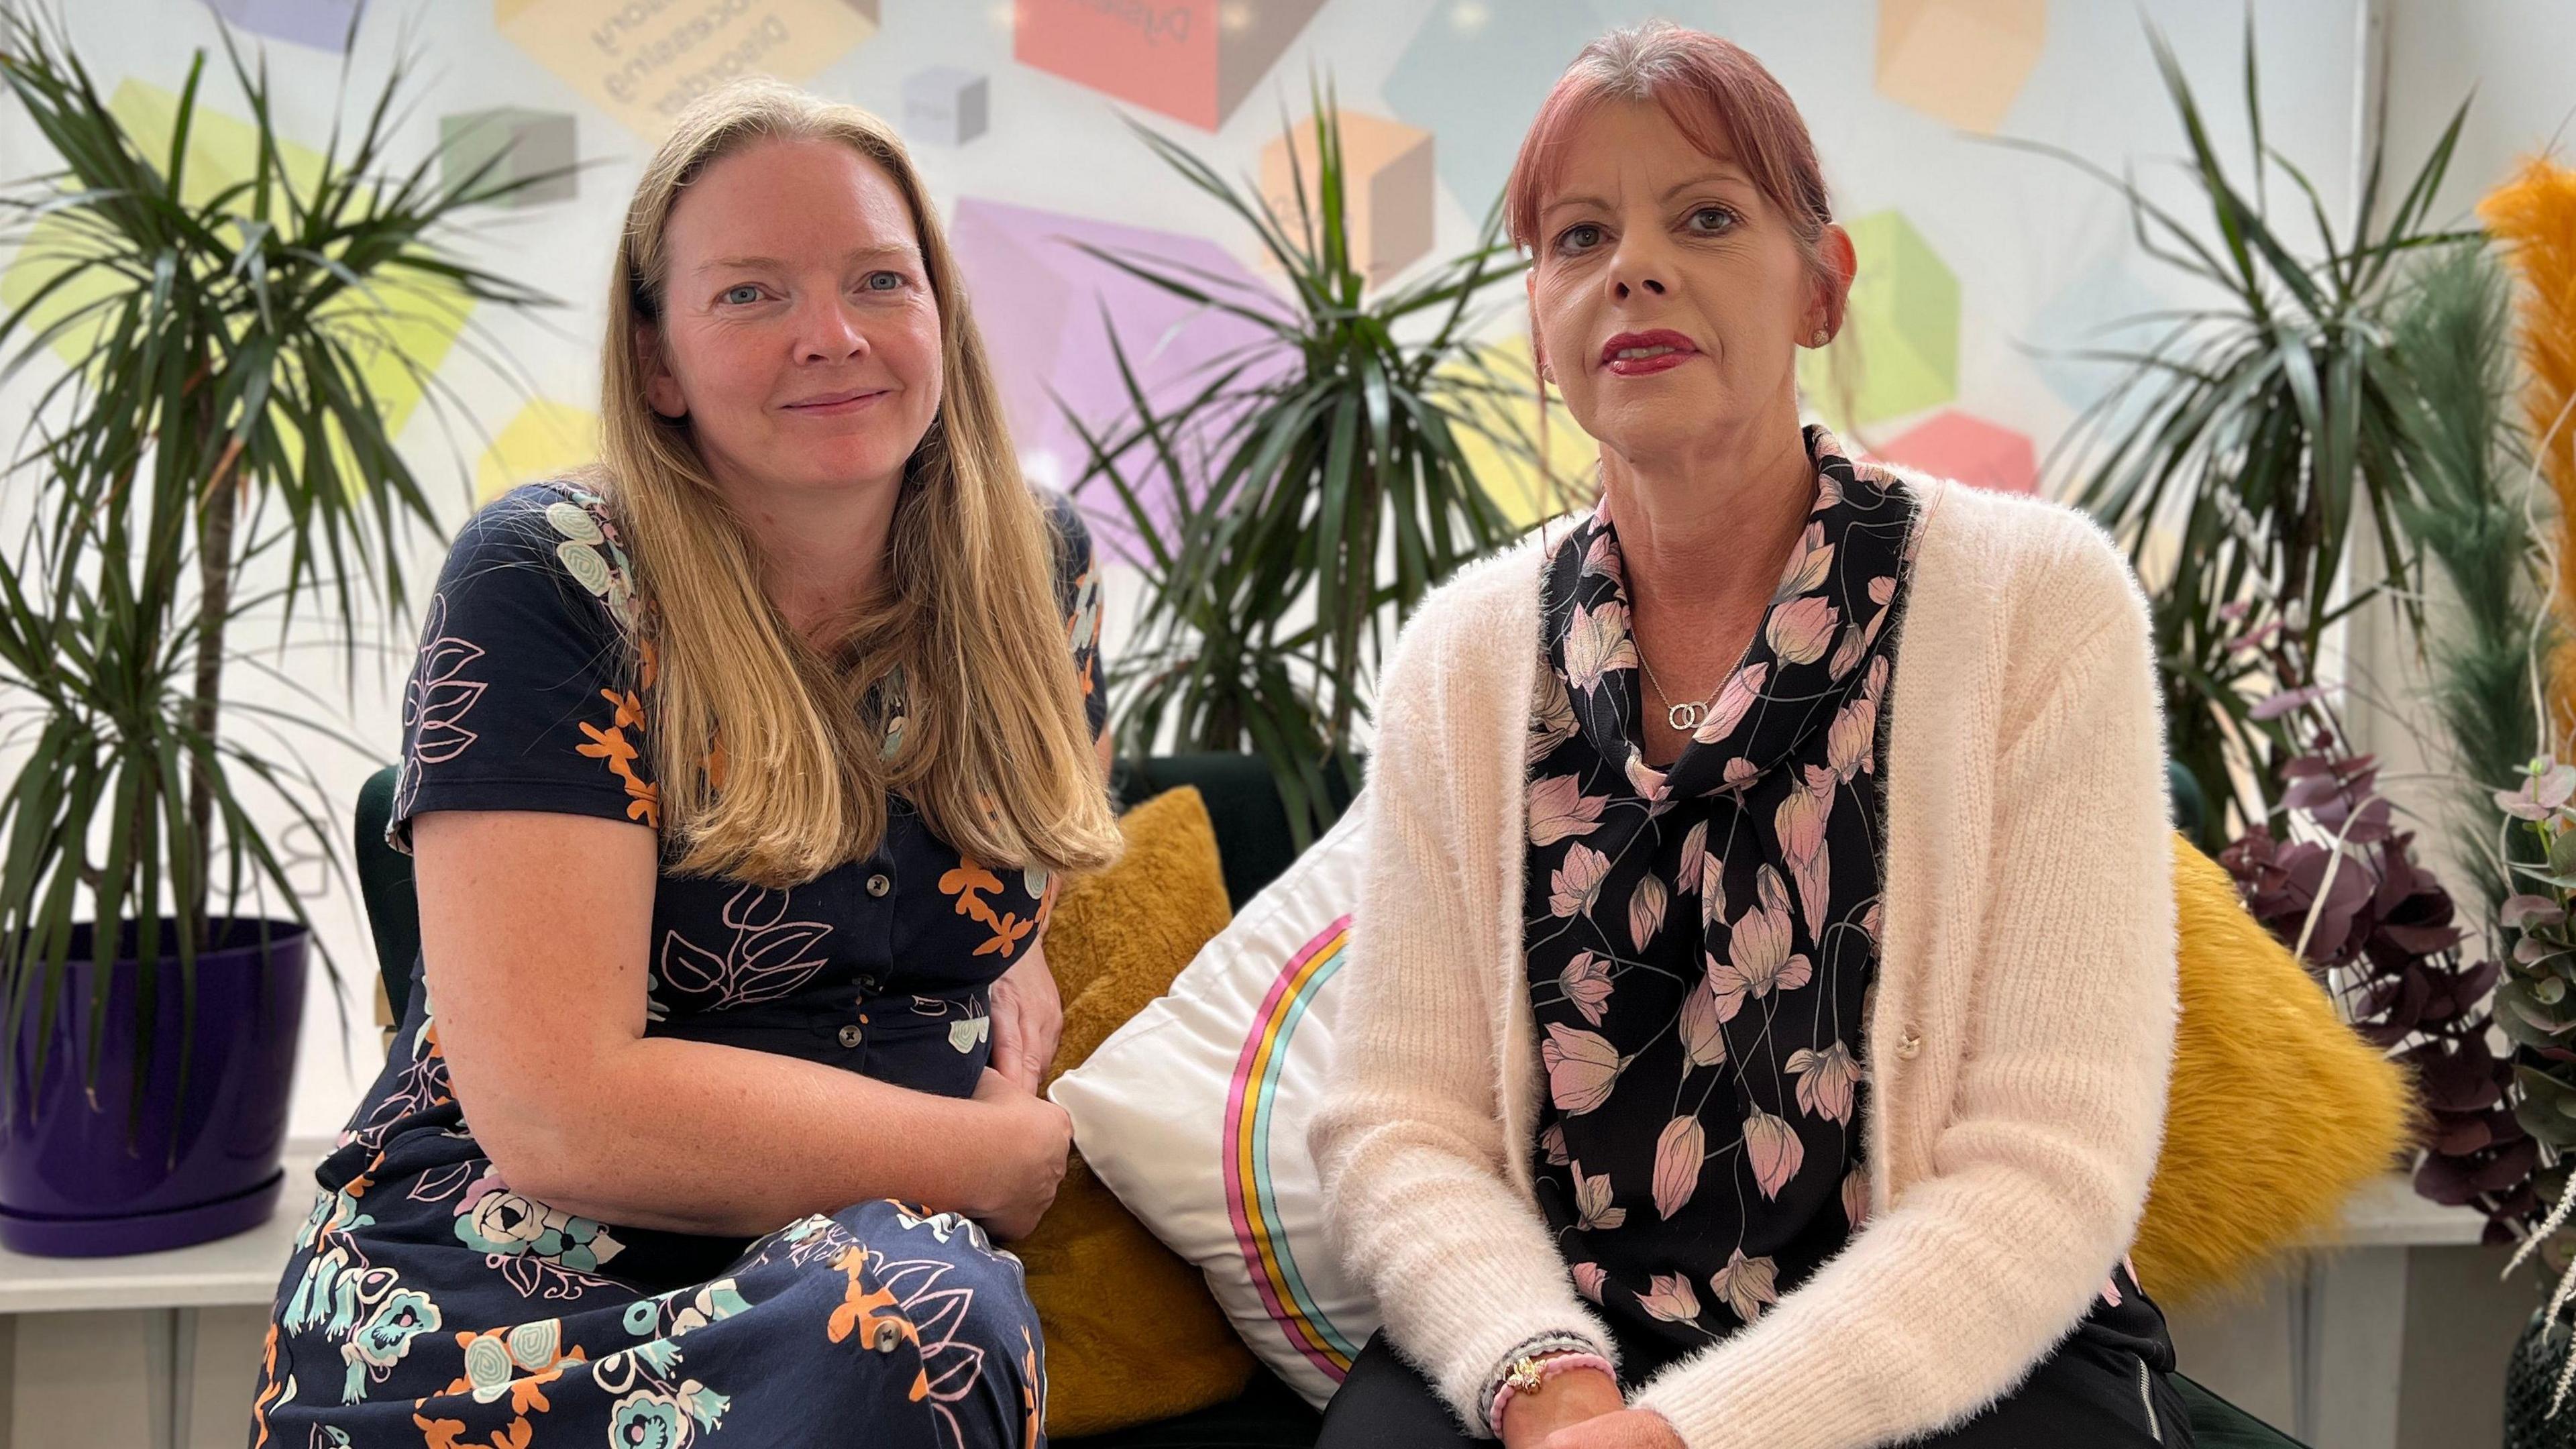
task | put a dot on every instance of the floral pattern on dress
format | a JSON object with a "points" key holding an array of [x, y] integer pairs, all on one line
{"points": [[1702, 936], [429, 1302]]}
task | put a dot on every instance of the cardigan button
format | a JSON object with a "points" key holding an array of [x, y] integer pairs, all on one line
{"points": [[878, 885], [1909, 1043], [889, 1336], [851, 1036]]}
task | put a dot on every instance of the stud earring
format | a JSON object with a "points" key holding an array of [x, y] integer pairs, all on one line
{"points": [[1821, 338]]}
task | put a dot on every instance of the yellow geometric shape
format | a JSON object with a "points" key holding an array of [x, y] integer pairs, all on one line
{"points": [[1507, 463], [1387, 184], [643, 61], [546, 440], [1961, 61], [397, 333]]}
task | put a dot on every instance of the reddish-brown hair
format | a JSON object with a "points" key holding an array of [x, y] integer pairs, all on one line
{"points": [[1717, 95]]}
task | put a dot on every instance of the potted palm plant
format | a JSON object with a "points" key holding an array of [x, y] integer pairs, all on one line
{"points": [[2248, 437], [214, 449], [1318, 480]]}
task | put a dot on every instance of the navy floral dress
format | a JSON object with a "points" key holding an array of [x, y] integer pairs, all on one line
{"points": [[429, 1304], [1702, 946]]}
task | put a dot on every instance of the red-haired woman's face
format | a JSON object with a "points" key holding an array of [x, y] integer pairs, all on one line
{"points": [[798, 334], [1668, 295]]}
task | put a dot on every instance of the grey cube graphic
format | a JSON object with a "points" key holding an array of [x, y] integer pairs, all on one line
{"points": [[946, 104], [528, 142]]}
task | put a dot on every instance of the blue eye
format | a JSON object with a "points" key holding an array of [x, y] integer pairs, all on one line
{"points": [[742, 295], [884, 281]]}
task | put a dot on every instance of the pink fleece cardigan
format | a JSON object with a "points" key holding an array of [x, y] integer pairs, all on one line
{"points": [[2017, 1049]]}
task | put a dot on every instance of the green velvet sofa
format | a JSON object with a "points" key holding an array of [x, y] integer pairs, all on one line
{"points": [[1254, 845]]}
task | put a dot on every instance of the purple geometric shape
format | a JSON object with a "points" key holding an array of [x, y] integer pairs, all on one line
{"points": [[1039, 300], [322, 24]]}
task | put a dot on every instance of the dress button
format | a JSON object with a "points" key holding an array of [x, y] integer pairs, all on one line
{"points": [[878, 885], [889, 1336], [1909, 1044], [851, 1036]]}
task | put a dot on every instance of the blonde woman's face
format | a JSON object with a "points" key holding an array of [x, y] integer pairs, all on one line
{"points": [[799, 334], [1668, 295]]}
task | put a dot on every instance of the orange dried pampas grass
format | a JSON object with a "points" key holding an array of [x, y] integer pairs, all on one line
{"points": [[2534, 217]]}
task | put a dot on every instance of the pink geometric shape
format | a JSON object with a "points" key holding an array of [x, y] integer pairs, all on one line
{"points": [[1192, 60], [1953, 444], [1045, 308]]}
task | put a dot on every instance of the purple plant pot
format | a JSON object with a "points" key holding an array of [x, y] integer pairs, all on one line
{"points": [[140, 1169]]}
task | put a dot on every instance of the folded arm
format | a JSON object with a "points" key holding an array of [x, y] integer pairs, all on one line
{"points": [[536, 974]]}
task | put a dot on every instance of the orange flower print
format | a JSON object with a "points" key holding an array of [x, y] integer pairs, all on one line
{"points": [[1007, 934], [967, 883], [644, 798], [873, 1315]]}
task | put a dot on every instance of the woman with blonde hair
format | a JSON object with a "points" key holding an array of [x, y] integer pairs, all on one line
{"points": [[738, 776], [1763, 985]]}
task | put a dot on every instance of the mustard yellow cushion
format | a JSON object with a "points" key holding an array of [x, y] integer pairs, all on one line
{"points": [[2277, 1111], [1131, 1333]]}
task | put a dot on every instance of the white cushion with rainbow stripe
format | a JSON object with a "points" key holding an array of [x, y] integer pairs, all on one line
{"points": [[1194, 1113]]}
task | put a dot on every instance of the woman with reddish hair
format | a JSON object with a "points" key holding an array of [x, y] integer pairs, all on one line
{"points": [[1758, 1038]]}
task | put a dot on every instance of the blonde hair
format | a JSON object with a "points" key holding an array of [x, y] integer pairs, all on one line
{"points": [[773, 766]]}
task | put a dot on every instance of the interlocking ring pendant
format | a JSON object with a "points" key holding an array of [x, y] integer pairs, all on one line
{"points": [[1686, 716]]}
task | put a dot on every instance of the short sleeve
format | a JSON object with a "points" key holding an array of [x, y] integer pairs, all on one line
{"points": [[1077, 582], [524, 695]]}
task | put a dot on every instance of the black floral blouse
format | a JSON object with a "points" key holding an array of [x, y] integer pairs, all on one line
{"points": [[1702, 939]]}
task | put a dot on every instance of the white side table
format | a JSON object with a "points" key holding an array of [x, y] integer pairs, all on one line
{"points": [[106, 1351]]}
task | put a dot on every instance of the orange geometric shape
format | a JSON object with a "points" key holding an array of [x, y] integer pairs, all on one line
{"points": [[1952, 444], [1387, 182], [1961, 61], [642, 62], [1191, 60]]}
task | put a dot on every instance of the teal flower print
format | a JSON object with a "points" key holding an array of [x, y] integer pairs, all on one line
{"points": [[645, 1419]]}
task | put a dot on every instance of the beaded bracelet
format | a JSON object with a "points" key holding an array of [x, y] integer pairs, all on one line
{"points": [[1531, 1347], [1530, 1373]]}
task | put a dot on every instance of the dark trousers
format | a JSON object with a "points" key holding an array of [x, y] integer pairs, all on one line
{"points": [[2090, 1392]]}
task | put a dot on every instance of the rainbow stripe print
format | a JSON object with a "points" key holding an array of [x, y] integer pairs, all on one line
{"points": [[1248, 1196]]}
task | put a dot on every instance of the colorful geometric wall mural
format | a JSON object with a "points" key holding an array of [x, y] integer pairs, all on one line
{"points": [[1504, 454], [522, 143], [1473, 75], [1962, 61], [643, 60], [322, 24], [1952, 444], [946, 105], [1046, 308], [1387, 187], [1898, 351], [543, 439], [416, 325], [1191, 60]]}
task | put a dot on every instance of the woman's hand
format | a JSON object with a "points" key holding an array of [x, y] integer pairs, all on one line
{"points": [[1622, 1429], [1028, 1020], [1576, 1396], [1027, 1142]]}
